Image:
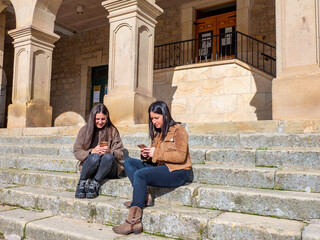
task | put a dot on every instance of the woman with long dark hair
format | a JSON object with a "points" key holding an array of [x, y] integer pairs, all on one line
{"points": [[100, 150], [165, 164]]}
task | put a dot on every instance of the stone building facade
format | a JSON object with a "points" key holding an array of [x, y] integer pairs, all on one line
{"points": [[211, 91]]}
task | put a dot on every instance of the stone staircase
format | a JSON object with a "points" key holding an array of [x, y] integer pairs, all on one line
{"points": [[252, 180]]}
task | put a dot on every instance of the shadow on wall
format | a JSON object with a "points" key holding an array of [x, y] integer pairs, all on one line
{"points": [[162, 88], [262, 99]]}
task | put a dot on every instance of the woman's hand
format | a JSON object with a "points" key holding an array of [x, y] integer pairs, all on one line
{"points": [[101, 150], [148, 151], [143, 153]]}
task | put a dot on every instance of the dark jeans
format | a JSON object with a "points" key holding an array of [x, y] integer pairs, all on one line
{"points": [[99, 167], [142, 174]]}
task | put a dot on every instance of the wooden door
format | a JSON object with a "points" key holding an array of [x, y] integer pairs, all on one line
{"points": [[211, 44]]}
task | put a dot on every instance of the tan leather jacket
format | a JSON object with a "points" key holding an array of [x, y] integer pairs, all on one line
{"points": [[174, 150], [114, 143]]}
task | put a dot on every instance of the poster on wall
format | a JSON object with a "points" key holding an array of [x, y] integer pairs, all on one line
{"points": [[205, 45], [96, 95]]}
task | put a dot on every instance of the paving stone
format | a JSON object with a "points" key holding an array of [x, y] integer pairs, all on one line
{"points": [[13, 221], [312, 230]]}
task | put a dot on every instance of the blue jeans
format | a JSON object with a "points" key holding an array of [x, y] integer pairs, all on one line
{"points": [[99, 166], [143, 174]]}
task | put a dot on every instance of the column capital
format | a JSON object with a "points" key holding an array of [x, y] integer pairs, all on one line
{"points": [[146, 8], [34, 35]]}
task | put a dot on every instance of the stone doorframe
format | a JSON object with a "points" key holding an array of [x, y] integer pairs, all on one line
{"points": [[96, 58], [188, 15]]}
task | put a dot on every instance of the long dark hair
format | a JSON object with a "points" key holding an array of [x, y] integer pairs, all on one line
{"points": [[91, 125], [160, 107]]}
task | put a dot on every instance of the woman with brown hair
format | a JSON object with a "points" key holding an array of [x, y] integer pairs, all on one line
{"points": [[165, 164], [100, 150]]}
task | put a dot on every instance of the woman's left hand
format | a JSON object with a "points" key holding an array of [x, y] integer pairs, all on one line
{"points": [[105, 150], [149, 151]]}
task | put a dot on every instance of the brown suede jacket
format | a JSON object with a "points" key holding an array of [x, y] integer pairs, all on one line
{"points": [[114, 144], [174, 150]]}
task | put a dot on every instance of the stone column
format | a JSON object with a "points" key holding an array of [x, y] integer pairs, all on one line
{"points": [[131, 50], [31, 78], [296, 89], [3, 80]]}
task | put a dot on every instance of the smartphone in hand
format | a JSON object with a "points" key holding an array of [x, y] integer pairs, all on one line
{"points": [[104, 144], [142, 146]]}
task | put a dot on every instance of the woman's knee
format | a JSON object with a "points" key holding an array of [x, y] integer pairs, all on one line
{"points": [[108, 157], [129, 163], [93, 159]]}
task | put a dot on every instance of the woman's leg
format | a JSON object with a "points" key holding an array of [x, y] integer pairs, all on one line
{"points": [[131, 165], [90, 166], [108, 164], [158, 176], [88, 169]]}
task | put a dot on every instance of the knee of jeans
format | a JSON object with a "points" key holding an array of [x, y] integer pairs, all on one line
{"points": [[128, 163], [139, 174], [93, 158], [108, 157]]}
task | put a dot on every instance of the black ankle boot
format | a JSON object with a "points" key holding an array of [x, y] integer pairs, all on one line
{"points": [[81, 189], [93, 190]]}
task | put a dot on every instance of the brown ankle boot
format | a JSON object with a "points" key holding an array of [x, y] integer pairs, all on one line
{"points": [[132, 224], [147, 203]]}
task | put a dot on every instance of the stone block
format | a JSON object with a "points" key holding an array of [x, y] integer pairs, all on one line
{"points": [[234, 176], [14, 221], [210, 87], [203, 73], [180, 76], [215, 140], [238, 226], [298, 181], [312, 230], [230, 156], [69, 119], [289, 159], [186, 89], [237, 85], [224, 103], [251, 102], [281, 204]]}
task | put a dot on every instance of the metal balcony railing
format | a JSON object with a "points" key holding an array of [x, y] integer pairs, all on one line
{"points": [[231, 45]]}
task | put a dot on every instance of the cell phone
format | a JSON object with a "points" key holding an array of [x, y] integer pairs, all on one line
{"points": [[142, 146], [104, 144]]}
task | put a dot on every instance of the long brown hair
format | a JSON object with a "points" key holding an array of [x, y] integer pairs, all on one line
{"points": [[99, 108]]}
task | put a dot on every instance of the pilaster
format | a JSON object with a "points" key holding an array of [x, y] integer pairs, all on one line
{"points": [[31, 78], [131, 49]]}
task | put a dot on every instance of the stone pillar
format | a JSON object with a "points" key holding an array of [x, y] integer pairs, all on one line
{"points": [[131, 51], [31, 78], [296, 89], [3, 80]]}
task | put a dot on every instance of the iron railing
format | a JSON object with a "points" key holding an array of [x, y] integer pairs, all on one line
{"points": [[231, 45]]}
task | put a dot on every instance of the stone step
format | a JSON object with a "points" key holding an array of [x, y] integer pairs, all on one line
{"points": [[38, 149], [222, 140], [284, 159], [18, 223], [33, 162], [211, 173], [283, 204], [170, 221]]}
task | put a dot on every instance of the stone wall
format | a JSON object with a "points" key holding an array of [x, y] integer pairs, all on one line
{"points": [[262, 22], [168, 27], [215, 92], [73, 58]]}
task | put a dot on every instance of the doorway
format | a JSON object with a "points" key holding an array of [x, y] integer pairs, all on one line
{"points": [[99, 86], [214, 27]]}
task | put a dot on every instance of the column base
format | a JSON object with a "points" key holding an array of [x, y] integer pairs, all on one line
{"points": [[296, 98], [128, 107], [22, 115]]}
